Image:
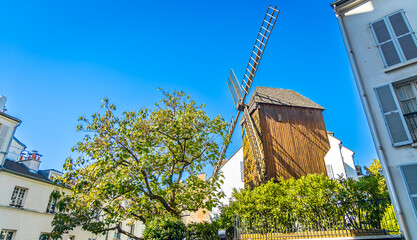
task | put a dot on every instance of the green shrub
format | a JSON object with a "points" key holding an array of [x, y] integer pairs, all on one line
{"points": [[203, 231], [165, 227]]}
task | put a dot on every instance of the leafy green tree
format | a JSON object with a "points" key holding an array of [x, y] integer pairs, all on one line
{"points": [[141, 165], [165, 227], [203, 231]]}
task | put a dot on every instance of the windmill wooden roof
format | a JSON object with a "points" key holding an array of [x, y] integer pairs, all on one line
{"points": [[283, 97]]}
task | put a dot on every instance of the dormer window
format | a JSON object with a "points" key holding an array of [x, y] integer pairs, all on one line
{"points": [[17, 197], [3, 133]]}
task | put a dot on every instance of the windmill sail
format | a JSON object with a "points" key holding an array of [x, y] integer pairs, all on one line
{"points": [[256, 167], [240, 91], [264, 33], [234, 88]]}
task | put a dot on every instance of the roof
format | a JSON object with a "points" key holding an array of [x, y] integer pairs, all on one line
{"points": [[10, 117], [283, 97], [338, 3], [20, 169]]}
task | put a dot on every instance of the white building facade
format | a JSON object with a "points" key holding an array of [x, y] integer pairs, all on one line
{"points": [[26, 206], [382, 49], [339, 160]]}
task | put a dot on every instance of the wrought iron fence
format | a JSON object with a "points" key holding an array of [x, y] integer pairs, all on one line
{"points": [[347, 219]]}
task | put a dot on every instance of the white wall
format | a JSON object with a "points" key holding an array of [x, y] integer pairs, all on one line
{"points": [[9, 135], [14, 150], [373, 74], [334, 158], [232, 177], [350, 168], [32, 220]]}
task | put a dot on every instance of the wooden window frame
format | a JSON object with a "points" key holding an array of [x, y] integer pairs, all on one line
{"points": [[9, 231], [13, 203], [394, 38], [413, 84], [410, 196]]}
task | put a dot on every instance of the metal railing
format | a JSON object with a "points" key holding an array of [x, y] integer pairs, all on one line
{"points": [[347, 219], [411, 119]]}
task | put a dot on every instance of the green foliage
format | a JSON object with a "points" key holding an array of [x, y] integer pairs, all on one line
{"points": [[140, 165], [203, 231], [389, 220], [312, 198], [165, 227]]}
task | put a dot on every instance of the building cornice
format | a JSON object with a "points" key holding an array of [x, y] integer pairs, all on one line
{"points": [[2, 169], [16, 120], [342, 6]]}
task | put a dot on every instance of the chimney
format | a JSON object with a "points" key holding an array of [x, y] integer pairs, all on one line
{"points": [[31, 160], [3, 100]]}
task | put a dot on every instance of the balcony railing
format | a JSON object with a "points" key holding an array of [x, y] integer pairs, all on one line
{"points": [[411, 120], [347, 219]]}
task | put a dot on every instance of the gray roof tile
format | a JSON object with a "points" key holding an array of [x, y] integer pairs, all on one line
{"points": [[284, 97]]}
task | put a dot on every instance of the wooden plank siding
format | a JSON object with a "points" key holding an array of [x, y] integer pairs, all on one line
{"points": [[294, 141]]}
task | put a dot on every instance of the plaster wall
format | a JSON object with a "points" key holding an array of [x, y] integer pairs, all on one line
{"points": [[9, 135], [374, 74], [232, 178], [32, 220], [334, 158], [350, 169]]}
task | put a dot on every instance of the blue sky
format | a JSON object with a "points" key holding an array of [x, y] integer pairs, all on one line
{"points": [[58, 59]]}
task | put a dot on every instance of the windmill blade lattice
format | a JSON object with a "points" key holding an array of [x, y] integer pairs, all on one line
{"points": [[237, 90]]}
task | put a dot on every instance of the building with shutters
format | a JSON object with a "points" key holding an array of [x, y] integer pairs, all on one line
{"points": [[380, 40], [26, 205]]}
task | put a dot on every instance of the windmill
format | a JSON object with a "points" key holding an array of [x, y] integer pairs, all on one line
{"points": [[240, 91], [284, 134]]}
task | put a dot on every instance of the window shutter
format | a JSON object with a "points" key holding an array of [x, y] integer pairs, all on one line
{"points": [[404, 34], [394, 120], [384, 41], [3, 132], [409, 173]]}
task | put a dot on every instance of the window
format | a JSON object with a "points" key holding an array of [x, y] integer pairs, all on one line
{"points": [[409, 173], [329, 169], [7, 235], [407, 96], [392, 114], [3, 132], [18, 197], [71, 238], [132, 231], [53, 198], [116, 234], [395, 39]]}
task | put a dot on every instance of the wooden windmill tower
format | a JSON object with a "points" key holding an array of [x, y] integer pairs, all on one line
{"points": [[283, 132]]}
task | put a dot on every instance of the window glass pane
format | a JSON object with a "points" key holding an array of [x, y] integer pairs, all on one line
{"points": [[407, 98], [410, 173], [408, 45], [390, 53], [381, 31], [414, 199], [398, 24]]}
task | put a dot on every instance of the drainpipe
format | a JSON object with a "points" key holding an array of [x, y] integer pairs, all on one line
{"points": [[381, 154]]}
